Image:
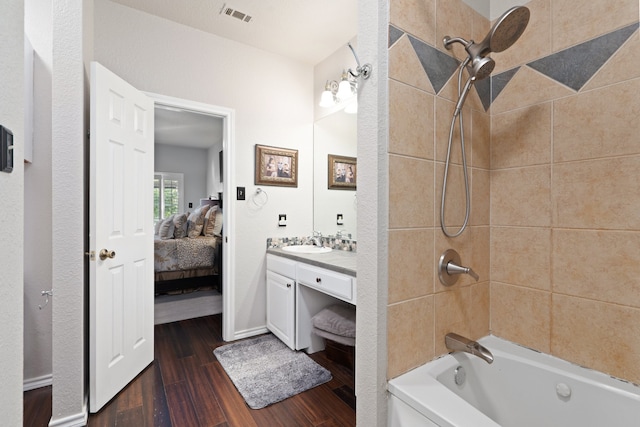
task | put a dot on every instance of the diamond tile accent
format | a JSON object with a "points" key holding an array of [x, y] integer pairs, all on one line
{"points": [[483, 87], [499, 81], [574, 66], [394, 35], [438, 65]]}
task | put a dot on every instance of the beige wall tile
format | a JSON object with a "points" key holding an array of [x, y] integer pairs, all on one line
{"points": [[410, 121], [454, 18], [521, 197], [444, 114], [481, 257], [599, 265], [534, 43], [480, 197], [599, 335], [521, 256], [404, 66], [599, 123], [597, 194], [410, 329], [410, 192], [624, 65], [473, 247], [450, 92], [522, 315], [453, 314], [480, 139], [521, 137], [528, 87], [573, 25], [455, 202], [411, 267], [479, 310], [417, 17], [480, 26]]}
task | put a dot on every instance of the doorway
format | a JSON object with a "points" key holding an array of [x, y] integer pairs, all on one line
{"points": [[227, 182]]}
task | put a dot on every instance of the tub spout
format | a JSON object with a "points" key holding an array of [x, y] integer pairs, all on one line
{"points": [[455, 342]]}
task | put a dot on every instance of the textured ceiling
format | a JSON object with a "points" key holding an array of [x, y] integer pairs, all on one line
{"points": [[305, 30]]}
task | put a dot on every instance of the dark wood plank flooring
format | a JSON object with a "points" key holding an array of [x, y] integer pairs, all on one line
{"points": [[186, 386]]}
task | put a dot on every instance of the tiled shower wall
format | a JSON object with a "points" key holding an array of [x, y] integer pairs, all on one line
{"points": [[421, 311], [565, 186], [555, 173]]}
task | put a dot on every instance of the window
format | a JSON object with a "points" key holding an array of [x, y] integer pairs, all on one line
{"points": [[168, 190]]}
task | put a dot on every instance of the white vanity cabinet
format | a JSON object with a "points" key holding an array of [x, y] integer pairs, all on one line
{"points": [[281, 294], [297, 291]]}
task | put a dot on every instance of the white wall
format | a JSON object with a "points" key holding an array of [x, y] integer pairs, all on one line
{"points": [[37, 218], [192, 163], [273, 100], [71, 46], [373, 217], [11, 212]]}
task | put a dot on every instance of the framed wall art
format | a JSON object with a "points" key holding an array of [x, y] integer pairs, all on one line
{"points": [[276, 166], [343, 174]]}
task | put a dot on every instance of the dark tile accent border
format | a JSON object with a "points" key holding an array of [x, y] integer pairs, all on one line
{"points": [[394, 34], [438, 65], [573, 67]]}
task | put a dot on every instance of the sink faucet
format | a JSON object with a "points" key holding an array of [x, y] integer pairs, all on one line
{"points": [[317, 238], [455, 342]]}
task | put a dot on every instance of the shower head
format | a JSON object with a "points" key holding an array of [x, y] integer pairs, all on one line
{"points": [[481, 67], [504, 33]]}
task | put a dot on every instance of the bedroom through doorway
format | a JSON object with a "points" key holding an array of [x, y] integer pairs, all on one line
{"points": [[191, 251]]}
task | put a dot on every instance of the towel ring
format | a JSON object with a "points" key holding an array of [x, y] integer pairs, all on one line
{"points": [[258, 199]]}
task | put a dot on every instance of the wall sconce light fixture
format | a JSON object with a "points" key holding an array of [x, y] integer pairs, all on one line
{"points": [[337, 93]]}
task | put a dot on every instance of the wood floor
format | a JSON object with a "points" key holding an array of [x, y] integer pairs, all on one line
{"points": [[186, 386]]}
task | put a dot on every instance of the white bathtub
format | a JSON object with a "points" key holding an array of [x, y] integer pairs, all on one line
{"points": [[521, 388]]}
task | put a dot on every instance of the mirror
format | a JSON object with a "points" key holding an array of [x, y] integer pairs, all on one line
{"points": [[336, 135]]}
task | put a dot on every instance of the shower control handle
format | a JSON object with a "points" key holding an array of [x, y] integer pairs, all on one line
{"points": [[449, 268]]}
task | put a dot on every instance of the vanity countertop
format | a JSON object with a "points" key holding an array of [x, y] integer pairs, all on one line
{"points": [[336, 260]]}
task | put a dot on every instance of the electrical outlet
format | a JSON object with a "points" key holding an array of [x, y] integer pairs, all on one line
{"points": [[339, 219], [282, 220], [190, 205]]}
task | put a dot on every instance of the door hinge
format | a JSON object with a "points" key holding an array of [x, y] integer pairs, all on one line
{"points": [[92, 255]]}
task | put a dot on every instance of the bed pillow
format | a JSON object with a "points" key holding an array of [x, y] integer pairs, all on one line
{"points": [[217, 228], [180, 223], [195, 222], [157, 227], [209, 221], [166, 229]]}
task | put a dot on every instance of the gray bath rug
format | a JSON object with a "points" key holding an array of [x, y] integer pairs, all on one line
{"points": [[266, 371]]}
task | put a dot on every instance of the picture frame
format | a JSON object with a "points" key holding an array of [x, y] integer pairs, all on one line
{"points": [[342, 172], [276, 166]]}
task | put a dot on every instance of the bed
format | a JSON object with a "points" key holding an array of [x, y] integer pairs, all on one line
{"points": [[188, 250]]}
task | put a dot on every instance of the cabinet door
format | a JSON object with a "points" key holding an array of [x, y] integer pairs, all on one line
{"points": [[281, 308]]}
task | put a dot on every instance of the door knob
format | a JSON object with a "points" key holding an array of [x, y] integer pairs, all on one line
{"points": [[104, 254]]}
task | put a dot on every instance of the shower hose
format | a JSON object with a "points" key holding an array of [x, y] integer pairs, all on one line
{"points": [[457, 114]]}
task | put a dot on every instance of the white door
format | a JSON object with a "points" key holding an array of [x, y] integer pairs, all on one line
{"points": [[121, 226]]}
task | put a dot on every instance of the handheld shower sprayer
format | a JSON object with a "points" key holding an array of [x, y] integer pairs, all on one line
{"points": [[503, 34]]}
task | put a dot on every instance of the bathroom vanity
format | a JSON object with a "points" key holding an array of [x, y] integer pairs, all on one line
{"points": [[300, 285]]}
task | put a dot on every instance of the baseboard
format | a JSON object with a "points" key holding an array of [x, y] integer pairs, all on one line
{"points": [[250, 332], [75, 420], [172, 308], [37, 382]]}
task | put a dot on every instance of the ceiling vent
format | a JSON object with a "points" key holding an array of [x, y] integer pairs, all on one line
{"points": [[235, 13]]}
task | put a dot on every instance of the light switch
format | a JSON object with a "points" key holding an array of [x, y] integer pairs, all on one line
{"points": [[6, 150]]}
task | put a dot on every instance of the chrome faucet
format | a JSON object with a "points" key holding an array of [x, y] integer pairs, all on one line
{"points": [[455, 342], [317, 238]]}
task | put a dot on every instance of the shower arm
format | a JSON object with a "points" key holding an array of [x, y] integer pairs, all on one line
{"points": [[448, 41]]}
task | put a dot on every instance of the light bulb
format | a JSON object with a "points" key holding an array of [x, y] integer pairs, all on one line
{"points": [[326, 99]]}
